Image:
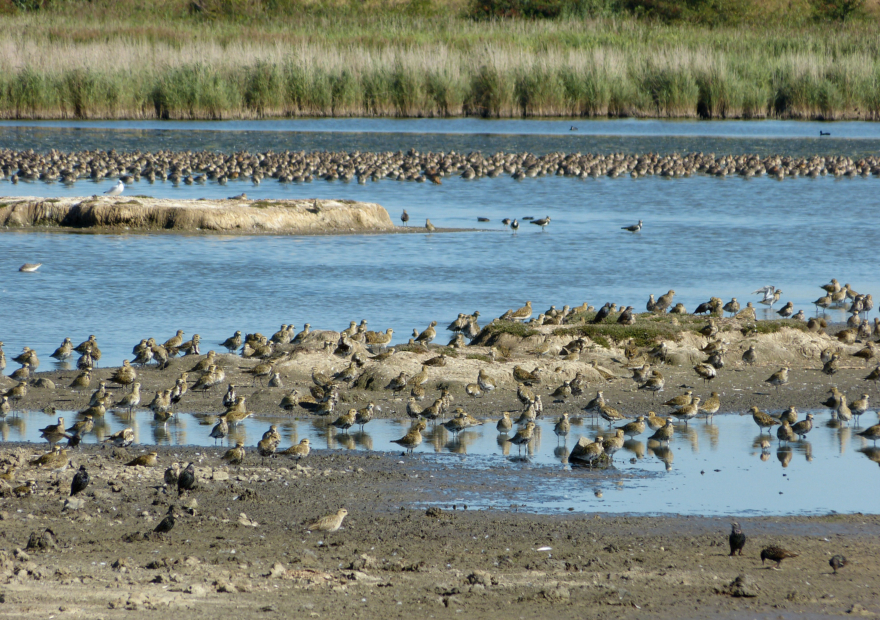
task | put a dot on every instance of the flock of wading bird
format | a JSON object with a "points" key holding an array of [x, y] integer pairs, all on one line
{"points": [[364, 350]]}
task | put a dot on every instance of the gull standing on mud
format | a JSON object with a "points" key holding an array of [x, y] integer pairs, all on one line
{"points": [[116, 189]]}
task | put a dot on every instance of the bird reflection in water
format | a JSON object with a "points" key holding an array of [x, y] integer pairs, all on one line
{"points": [[635, 447], [662, 452], [438, 437], [503, 441], [872, 452], [363, 440], [344, 440], [561, 453], [460, 442], [784, 454]]}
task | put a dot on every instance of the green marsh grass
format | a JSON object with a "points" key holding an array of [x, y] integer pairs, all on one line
{"points": [[417, 60]]}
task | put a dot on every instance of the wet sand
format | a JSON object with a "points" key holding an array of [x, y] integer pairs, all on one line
{"points": [[392, 558]]}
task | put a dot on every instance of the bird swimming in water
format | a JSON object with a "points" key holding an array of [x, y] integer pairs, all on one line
{"points": [[634, 228]]}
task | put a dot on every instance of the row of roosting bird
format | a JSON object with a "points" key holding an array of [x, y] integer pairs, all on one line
{"points": [[193, 167]]}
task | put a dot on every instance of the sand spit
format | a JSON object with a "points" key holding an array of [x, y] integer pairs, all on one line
{"points": [[307, 216]]}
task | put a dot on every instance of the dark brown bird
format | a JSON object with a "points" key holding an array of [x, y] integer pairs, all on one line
{"points": [[80, 481], [166, 524], [736, 539], [838, 561], [186, 481], [603, 313], [776, 554]]}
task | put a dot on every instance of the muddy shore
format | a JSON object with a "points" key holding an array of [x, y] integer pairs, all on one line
{"points": [[239, 546], [392, 557]]}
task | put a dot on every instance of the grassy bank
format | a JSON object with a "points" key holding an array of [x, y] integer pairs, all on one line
{"points": [[63, 64]]}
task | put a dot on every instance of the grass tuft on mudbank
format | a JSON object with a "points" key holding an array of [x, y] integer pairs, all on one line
{"points": [[514, 328]]}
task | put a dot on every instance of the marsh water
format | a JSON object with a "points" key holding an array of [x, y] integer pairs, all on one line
{"points": [[711, 467]]}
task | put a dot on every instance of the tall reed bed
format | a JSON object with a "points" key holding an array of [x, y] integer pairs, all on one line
{"points": [[513, 69]]}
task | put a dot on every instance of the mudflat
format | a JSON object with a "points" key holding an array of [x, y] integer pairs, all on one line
{"points": [[239, 544]]}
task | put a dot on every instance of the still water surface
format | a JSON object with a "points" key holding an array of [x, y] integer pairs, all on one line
{"points": [[710, 468], [799, 138]]}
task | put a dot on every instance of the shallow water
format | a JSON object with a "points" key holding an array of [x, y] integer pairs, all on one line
{"points": [[710, 468]]}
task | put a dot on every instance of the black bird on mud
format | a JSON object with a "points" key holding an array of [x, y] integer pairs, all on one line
{"points": [[736, 539], [838, 561], [186, 481], [80, 481], [603, 313], [166, 524]]}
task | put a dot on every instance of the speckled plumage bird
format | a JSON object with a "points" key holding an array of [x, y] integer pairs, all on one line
{"points": [[664, 433], [776, 554], [145, 460], [54, 432], [837, 562], [831, 365], [233, 342], [763, 420], [610, 414], [411, 440], [871, 433], [122, 439], [235, 456], [300, 450], [125, 375], [711, 405], [505, 424], [784, 432], [329, 523], [562, 427], [686, 412], [778, 378], [523, 436], [706, 372], [803, 427], [634, 428], [653, 384]]}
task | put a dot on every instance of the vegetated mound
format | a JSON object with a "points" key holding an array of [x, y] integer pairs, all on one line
{"points": [[232, 215]]}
